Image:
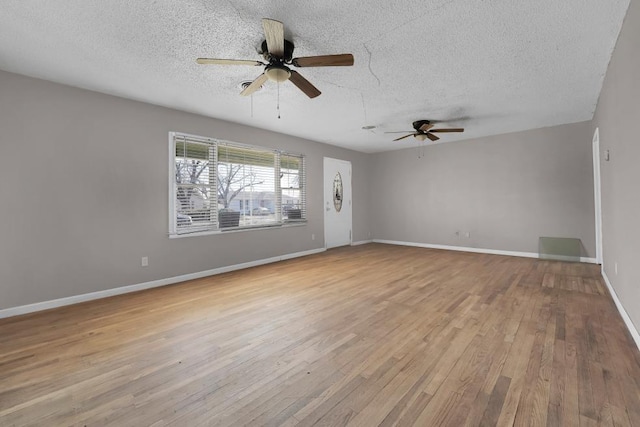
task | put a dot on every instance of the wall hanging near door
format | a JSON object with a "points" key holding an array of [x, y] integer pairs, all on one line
{"points": [[337, 192]]}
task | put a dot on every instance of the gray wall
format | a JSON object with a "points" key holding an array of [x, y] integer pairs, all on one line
{"points": [[618, 116], [505, 190], [84, 193]]}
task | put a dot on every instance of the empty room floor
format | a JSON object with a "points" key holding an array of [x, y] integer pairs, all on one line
{"points": [[368, 335]]}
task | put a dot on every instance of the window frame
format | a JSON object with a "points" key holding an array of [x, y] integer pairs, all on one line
{"points": [[216, 143]]}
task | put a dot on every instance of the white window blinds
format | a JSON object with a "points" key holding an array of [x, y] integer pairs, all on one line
{"points": [[222, 185], [292, 187]]}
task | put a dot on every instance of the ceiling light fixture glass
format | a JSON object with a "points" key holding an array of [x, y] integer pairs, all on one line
{"points": [[277, 73]]}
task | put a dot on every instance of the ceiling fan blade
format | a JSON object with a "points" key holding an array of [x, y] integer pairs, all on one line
{"points": [[342, 60], [403, 137], [401, 131], [274, 34], [425, 127], [216, 61], [255, 85], [432, 136], [304, 85], [447, 130]]}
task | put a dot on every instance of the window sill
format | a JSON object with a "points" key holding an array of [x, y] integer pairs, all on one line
{"points": [[238, 230]]}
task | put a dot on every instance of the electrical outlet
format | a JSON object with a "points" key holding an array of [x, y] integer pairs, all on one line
{"points": [[313, 237], [467, 234], [145, 261]]}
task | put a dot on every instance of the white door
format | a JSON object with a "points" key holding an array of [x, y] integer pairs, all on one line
{"points": [[337, 202]]}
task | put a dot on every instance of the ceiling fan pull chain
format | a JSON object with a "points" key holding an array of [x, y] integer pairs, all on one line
{"points": [[278, 84]]}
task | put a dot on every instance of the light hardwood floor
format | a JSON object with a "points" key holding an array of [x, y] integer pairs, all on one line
{"points": [[365, 336]]}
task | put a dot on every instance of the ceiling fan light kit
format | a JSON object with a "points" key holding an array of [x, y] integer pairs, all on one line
{"points": [[278, 53], [277, 73]]}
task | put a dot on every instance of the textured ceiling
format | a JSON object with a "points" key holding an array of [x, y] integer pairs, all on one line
{"points": [[491, 66]]}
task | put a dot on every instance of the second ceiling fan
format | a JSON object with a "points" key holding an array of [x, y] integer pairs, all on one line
{"points": [[278, 54], [424, 129]]}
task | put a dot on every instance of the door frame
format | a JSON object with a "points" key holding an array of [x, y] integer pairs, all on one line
{"points": [[324, 193], [597, 195]]}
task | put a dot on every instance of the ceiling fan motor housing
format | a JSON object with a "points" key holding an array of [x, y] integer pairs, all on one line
{"points": [[419, 123], [288, 51]]}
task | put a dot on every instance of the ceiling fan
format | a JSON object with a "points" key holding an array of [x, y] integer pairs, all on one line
{"points": [[278, 54], [424, 129]]}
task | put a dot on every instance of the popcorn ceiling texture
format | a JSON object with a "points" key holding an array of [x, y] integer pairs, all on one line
{"points": [[491, 66]]}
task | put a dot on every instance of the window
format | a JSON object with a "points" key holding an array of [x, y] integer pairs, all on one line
{"points": [[220, 185]]}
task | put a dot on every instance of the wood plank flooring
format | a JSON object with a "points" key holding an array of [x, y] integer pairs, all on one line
{"points": [[362, 336]]}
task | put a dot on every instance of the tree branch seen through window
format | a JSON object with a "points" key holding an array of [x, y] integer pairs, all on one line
{"points": [[250, 187]]}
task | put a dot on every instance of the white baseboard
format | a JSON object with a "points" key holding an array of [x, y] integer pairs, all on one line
{"points": [[361, 242], [474, 250], [46, 305], [627, 320], [569, 259], [61, 302], [458, 248]]}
